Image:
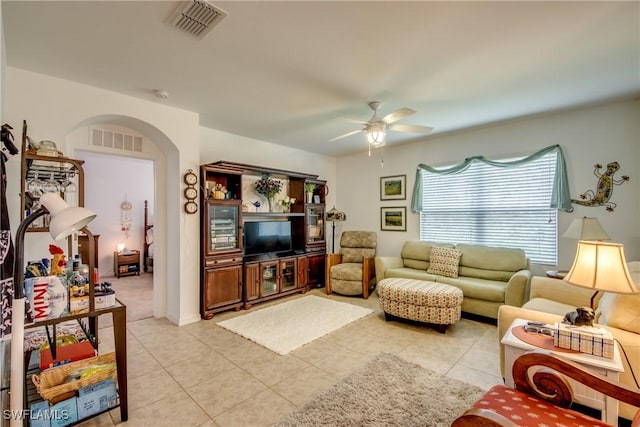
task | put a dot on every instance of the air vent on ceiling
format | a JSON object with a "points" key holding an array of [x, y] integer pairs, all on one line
{"points": [[115, 140], [196, 17]]}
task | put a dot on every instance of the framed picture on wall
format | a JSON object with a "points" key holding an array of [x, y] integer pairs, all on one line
{"points": [[393, 187], [393, 219]]}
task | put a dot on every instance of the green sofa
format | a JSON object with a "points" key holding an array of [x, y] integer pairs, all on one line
{"points": [[488, 276]]}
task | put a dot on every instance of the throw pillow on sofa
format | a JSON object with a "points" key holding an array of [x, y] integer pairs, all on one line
{"points": [[444, 261], [619, 311]]}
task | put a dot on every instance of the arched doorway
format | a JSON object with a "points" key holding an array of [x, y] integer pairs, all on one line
{"points": [[157, 148]]}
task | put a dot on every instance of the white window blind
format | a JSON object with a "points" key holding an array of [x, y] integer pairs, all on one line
{"points": [[494, 206]]}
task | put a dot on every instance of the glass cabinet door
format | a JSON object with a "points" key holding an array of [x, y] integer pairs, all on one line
{"points": [[314, 224], [269, 274], [223, 227], [288, 274]]}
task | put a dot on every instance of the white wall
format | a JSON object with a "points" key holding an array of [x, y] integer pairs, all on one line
{"points": [[61, 110], [110, 180], [55, 108], [600, 134]]}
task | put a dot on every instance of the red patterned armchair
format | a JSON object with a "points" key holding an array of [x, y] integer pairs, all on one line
{"points": [[542, 396]]}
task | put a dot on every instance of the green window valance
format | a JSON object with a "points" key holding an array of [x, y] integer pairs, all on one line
{"points": [[560, 198]]}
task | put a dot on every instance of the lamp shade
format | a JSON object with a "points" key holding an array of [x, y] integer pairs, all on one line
{"points": [[601, 266], [336, 215], [586, 229], [65, 219]]}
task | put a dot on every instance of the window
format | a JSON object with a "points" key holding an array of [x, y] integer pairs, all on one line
{"points": [[494, 206]]}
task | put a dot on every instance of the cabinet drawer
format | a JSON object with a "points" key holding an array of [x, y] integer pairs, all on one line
{"points": [[218, 262], [131, 258]]}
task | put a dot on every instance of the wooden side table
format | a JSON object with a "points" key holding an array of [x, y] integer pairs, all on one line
{"points": [[555, 274], [610, 368], [126, 264]]}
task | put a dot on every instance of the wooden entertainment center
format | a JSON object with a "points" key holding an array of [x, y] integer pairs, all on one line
{"points": [[229, 277]]}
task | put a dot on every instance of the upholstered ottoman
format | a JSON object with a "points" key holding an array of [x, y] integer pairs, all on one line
{"points": [[419, 300]]}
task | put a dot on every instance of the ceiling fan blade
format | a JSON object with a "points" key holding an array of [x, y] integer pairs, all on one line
{"points": [[411, 128], [345, 135], [359, 122], [398, 115]]}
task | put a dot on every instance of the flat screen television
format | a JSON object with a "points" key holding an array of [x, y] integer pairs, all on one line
{"points": [[263, 237]]}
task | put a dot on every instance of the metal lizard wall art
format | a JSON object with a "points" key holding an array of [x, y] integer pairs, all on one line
{"points": [[604, 191]]}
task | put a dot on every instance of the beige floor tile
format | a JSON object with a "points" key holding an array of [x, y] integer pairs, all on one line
{"points": [[342, 362], [168, 348], [203, 375], [435, 353], [263, 409], [148, 326], [140, 364], [305, 384], [208, 423], [225, 391], [197, 369], [150, 388], [175, 410], [272, 370], [489, 342], [474, 376], [479, 359], [103, 420], [317, 350]]}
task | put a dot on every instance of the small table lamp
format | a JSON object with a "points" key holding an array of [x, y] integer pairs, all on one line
{"points": [[333, 216], [65, 220], [601, 266]]}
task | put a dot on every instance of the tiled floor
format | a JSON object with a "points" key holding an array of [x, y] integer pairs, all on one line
{"points": [[204, 375]]}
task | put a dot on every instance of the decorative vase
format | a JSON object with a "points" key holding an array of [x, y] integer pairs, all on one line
{"points": [[286, 208], [270, 201], [309, 197]]}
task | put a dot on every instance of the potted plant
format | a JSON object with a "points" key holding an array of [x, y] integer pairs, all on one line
{"points": [[286, 203], [309, 187], [268, 187]]}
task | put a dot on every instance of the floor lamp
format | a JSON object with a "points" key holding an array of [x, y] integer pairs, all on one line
{"points": [[64, 220], [601, 266], [334, 216]]}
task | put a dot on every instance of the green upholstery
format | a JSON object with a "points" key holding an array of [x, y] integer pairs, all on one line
{"points": [[488, 276]]}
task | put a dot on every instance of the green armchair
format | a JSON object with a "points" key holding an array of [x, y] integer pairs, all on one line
{"points": [[352, 271]]}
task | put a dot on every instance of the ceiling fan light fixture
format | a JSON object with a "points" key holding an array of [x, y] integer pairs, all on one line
{"points": [[376, 135]]}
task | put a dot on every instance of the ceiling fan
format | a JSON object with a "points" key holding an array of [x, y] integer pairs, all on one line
{"points": [[376, 127]]}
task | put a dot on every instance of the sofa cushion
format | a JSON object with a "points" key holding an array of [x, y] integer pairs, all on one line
{"points": [[619, 311], [444, 261], [491, 258], [416, 254], [548, 306], [347, 271], [481, 273], [356, 255], [409, 273], [486, 290]]}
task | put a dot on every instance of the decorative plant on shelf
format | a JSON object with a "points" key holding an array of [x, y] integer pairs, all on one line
{"points": [[286, 203], [218, 191], [309, 188], [269, 188]]}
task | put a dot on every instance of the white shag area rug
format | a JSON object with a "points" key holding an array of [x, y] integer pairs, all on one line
{"points": [[284, 327], [388, 391]]}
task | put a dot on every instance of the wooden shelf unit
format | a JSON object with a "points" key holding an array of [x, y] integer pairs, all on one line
{"points": [[230, 280]]}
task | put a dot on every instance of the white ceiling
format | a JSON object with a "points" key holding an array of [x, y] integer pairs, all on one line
{"points": [[289, 72]]}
